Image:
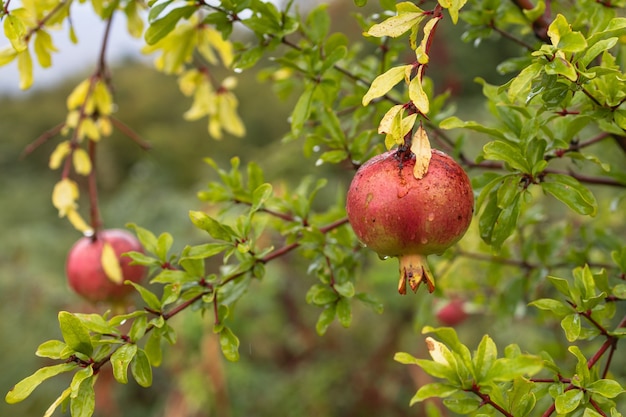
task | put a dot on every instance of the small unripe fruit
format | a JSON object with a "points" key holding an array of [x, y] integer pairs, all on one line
{"points": [[397, 215], [452, 313], [86, 274]]}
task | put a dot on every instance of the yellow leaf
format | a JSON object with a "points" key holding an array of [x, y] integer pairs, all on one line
{"points": [[189, 81], [43, 46], [387, 120], [111, 264], [204, 102], [82, 162], [417, 94], [102, 98], [384, 82], [64, 196], [88, 129], [78, 222], [436, 350], [134, 23], [223, 47], [420, 52], [25, 68], [104, 125], [71, 121], [15, 31], [78, 95], [396, 25], [215, 128], [7, 55], [230, 120], [420, 146], [59, 154]]}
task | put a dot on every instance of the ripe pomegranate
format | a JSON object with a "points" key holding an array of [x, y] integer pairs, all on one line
{"points": [[452, 312], [86, 274], [395, 214]]}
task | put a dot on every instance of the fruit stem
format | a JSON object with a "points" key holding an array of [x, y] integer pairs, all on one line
{"points": [[414, 270]]}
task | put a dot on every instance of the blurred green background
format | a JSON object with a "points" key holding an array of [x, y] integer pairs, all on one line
{"points": [[285, 368]]}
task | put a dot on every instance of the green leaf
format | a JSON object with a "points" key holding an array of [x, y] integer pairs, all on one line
{"points": [[520, 86], [162, 27], [510, 153], [564, 38], [60, 400], [405, 358], [148, 296], [27, 385], [153, 348], [571, 325], [141, 370], [324, 296], [435, 389], [203, 251], [384, 83], [568, 401], [318, 23], [302, 110], [53, 349], [608, 388], [371, 302], [454, 122], [557, 307], [507, 369], [213, 227], [484, 358], [570, 192], [164, 244], [147, 239], [75, 333], [120, 359], [229, 344], [83, 401], [325, 318], [344, 312], [345, 289], [260, 195], [561, 66]]}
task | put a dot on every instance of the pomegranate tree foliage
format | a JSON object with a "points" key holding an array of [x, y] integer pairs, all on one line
{"points": [[556, 131]]}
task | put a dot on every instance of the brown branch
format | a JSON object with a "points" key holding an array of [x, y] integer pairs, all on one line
{"points": [[94, 210], [43, 138], [130, 133]]}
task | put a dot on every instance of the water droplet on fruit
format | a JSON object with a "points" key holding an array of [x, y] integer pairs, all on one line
{"points": [[383, 257], [431, 217]]}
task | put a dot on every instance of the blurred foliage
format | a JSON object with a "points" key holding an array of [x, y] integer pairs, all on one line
{"points": [[284, 365]]}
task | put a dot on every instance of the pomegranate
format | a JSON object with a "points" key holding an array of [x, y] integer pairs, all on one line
{"points": [[397, 215], [86, 274], [452, 313]]}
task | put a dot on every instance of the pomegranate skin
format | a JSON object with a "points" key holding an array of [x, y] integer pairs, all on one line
{"points": [[395, 214], [85, 274]]}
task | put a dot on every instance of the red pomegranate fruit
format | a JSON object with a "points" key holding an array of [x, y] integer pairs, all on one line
{"points": [[452, 313], [397, 215], [86, 274]]}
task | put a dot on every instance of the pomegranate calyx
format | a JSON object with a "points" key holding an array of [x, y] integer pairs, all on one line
{"points": [[414, 270]]}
